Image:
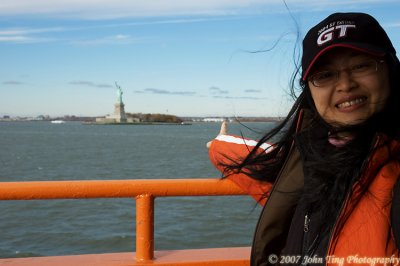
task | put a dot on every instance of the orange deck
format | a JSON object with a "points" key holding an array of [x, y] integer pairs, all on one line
{"points": [[194, 257]]}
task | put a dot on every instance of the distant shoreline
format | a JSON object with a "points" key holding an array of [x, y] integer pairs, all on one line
{"points": [[92, 120], [137, 124]]}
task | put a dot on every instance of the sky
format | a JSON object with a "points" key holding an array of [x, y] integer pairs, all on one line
{"points": [[179, 57]]}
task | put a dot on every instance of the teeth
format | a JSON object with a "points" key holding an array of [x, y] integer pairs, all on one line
{"points": [[350, 103]]}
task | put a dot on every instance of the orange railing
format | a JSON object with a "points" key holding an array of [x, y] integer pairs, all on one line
{"points": [[145, 191]]}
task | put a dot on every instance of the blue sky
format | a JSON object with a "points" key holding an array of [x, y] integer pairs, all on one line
{"points": [[187, 58]]}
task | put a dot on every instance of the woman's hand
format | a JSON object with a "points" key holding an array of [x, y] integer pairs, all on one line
{"points": [[222, 131]]}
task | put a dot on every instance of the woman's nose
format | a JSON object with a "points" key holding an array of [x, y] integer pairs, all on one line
{"points": [[345, 82]]}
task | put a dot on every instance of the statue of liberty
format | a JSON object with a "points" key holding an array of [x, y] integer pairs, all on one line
{"points": [[119, 93]]}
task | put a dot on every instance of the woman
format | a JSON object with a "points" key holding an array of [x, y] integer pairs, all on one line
{"points": [[328, 183]]}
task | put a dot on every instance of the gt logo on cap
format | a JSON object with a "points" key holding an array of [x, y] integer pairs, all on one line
{"points": [[329, 34]]}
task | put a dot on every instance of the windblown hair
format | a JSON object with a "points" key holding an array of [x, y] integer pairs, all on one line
{"points": [[330, 170]]}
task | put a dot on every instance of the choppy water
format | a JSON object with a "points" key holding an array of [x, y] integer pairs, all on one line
{"points": [[71, 151]]}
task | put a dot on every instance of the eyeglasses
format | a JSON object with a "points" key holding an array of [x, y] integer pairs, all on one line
{"points": [[357, 70]]}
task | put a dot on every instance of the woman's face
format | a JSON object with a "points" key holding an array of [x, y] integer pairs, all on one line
{"points": [[356, 94]]}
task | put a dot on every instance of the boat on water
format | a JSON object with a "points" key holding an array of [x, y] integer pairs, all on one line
{"points": [[57, 121]]}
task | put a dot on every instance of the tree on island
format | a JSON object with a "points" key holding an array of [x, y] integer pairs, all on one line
{"points": [[161, 118]]}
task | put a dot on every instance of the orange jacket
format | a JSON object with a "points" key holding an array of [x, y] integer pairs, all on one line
{"points": [[366, 235]]}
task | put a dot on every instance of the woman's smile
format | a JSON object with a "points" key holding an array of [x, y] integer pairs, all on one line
{"points": [[348, 105]]}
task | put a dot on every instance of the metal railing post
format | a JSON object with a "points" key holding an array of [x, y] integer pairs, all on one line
{"points": [[144, 227]]}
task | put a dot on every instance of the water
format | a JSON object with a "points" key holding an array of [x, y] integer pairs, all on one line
{"points": [[32, 151]]}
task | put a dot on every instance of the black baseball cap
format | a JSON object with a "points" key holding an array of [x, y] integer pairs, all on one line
{"points": [[358, 31]]}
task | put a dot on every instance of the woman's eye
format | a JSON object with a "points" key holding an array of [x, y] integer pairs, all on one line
{"points": [[324, 75], [363, 66]]}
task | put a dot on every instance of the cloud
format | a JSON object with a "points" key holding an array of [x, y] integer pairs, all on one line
{"points": [[13, 82], [90, 9], [34, 35], [26, 35], [167, 12], [25, 31], [216, 90], [157, 91], [115, 39], [105, 9], [160, 91], [121, 37], [253, 91], [90, 84], [218, 93], [392, 25], [238, 97], [20, 39]]}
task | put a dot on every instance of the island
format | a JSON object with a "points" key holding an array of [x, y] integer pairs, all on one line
{"points": [[142, 119]]}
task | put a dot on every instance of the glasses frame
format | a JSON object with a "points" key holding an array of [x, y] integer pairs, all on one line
{"points": [[337, 72]]}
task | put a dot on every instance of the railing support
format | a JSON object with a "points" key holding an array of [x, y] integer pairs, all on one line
{"points": [[144, 227]]}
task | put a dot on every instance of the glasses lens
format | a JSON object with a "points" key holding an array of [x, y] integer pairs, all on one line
{"points": [[363, 68], [323, 78], [358, 69]]}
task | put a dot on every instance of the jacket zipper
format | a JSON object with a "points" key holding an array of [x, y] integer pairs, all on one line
{"points": [[306, 223], [376, 140], [308, 249], [306, 228]]}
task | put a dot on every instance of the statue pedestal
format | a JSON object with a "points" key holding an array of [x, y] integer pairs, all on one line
{"points": [[119, 115]]}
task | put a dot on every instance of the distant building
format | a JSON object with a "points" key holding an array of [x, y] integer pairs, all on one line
{"points": [[213, 119]]}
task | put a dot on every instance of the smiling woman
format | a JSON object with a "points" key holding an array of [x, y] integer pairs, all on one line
{"points": [[350, 95], [329, 177]]}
